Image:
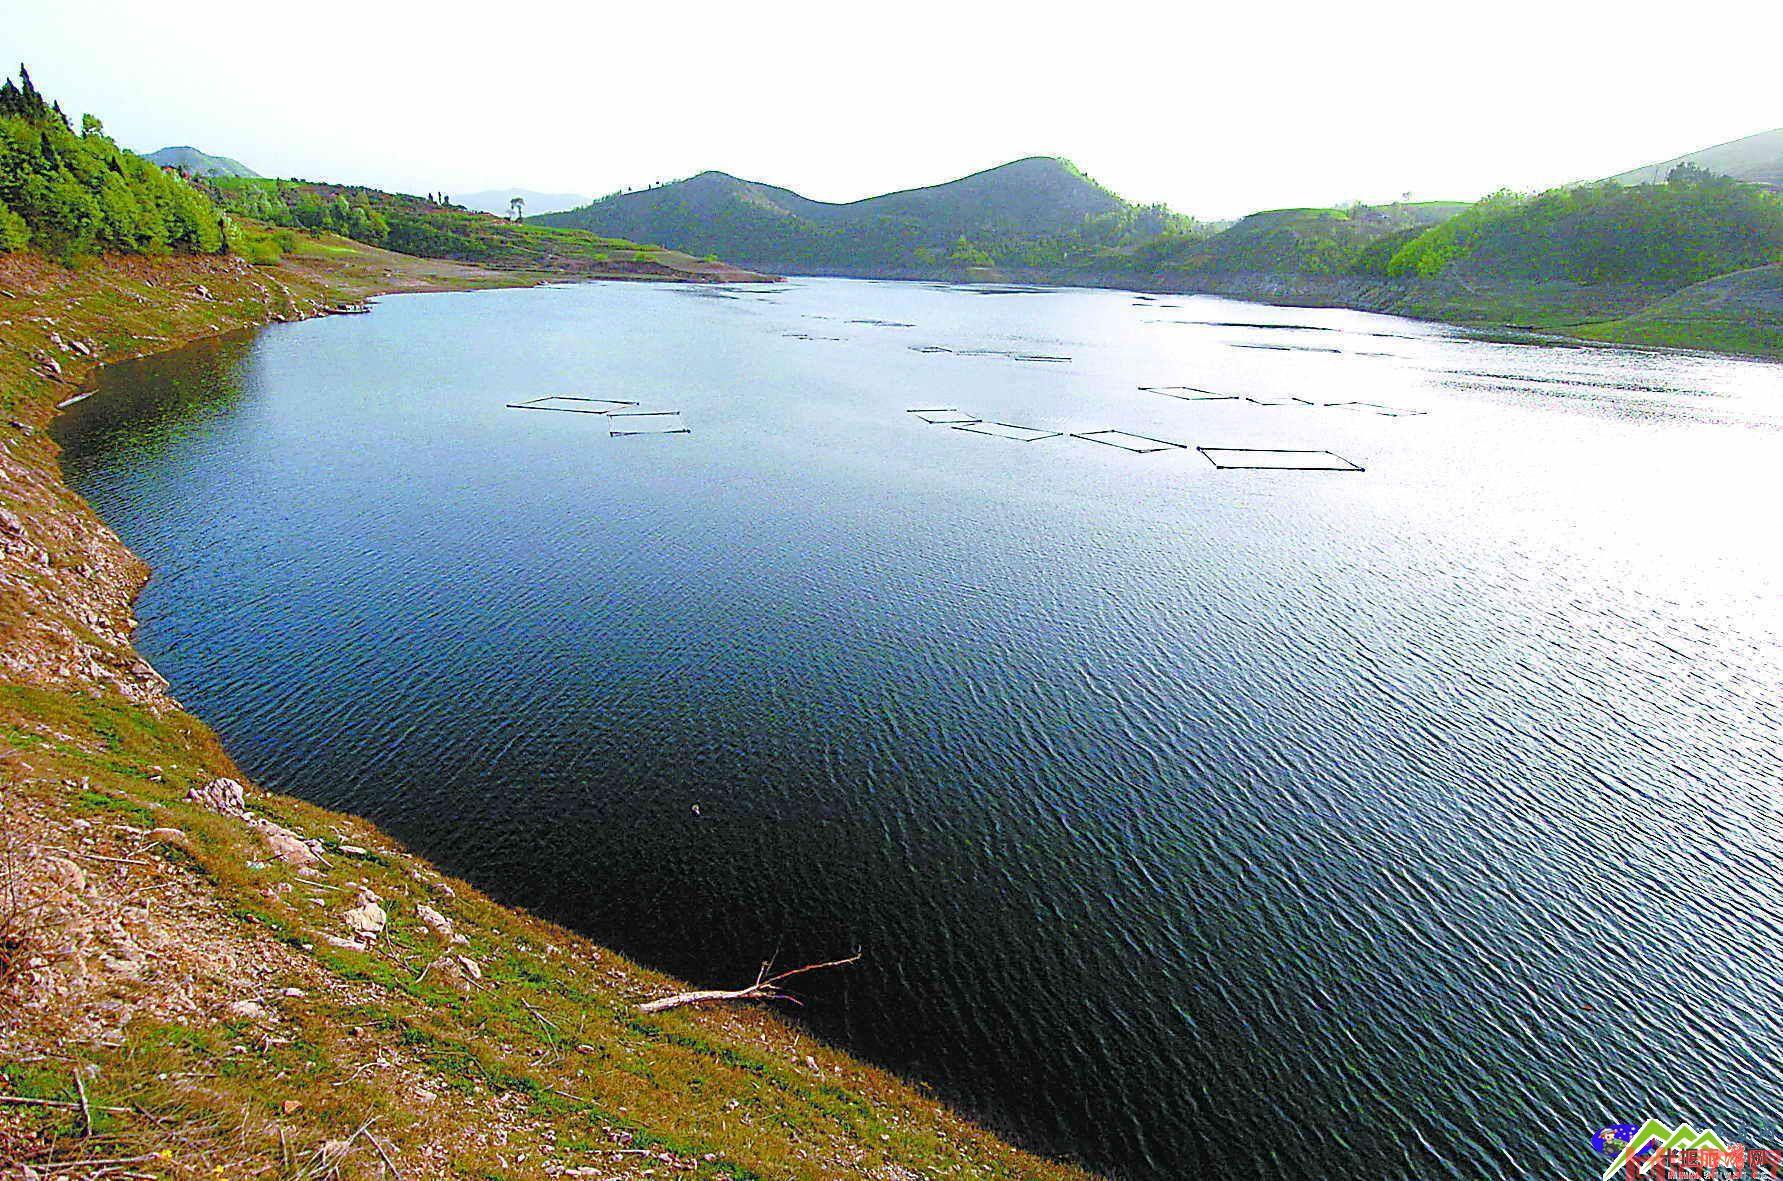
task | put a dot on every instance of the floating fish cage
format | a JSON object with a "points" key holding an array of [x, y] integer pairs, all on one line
{"points": [[1006, 354], [647, 422], [1189, 393], [572, 404], [1008, 430], [1128, 441], [1264, 458], [943, 415]]}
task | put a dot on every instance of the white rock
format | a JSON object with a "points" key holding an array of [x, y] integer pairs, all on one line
{"points": [[220, 795], [286, 845], [367, 921], [248, 1011], [438, 923]]}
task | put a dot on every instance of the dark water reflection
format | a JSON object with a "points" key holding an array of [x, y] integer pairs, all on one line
{"points": [[1407, 823]]}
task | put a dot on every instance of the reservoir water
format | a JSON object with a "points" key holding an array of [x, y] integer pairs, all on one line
{"points": [[1415, 821]]}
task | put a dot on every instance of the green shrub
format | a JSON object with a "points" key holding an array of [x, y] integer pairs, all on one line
{"points": [[259, 249], [14, 233]]}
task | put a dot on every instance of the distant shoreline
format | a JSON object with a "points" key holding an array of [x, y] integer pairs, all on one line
{"points": [[1740, 314]]}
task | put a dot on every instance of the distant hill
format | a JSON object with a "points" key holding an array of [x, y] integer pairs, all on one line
{"points": [[1757, 158], [496, 201], [763, 226], [199, 163]]}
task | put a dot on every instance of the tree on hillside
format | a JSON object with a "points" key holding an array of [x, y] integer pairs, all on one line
{"points": [[22, 101], [967, 253], [517, 208], [72, 195], [1692, 174]]}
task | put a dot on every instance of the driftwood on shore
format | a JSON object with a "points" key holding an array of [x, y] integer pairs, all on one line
{"points": [[765, 988]]}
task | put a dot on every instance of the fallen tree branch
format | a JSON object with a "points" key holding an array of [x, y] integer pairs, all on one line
{"points": [[85, 1110], [375, 1144], [765, 988]]}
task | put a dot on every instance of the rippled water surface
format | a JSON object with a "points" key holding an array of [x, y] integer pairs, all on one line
{"points": [[1415, 821]]}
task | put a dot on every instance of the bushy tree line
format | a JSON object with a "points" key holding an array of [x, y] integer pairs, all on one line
{"points": [[1693, 227], [71, 194], [349, 213]]}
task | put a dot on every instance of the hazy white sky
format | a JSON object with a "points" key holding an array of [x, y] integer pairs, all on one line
{"points": [[1217, 111]]}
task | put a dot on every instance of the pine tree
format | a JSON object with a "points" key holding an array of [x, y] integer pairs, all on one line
{"points": [[32, 104]]}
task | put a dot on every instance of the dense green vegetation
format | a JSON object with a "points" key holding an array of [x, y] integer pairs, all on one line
{"points": [[424, 226], [70, 194], [1693, 227]]}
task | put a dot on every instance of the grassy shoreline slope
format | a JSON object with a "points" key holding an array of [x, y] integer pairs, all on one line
{"points": [[432, 227], [197, 983]]}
